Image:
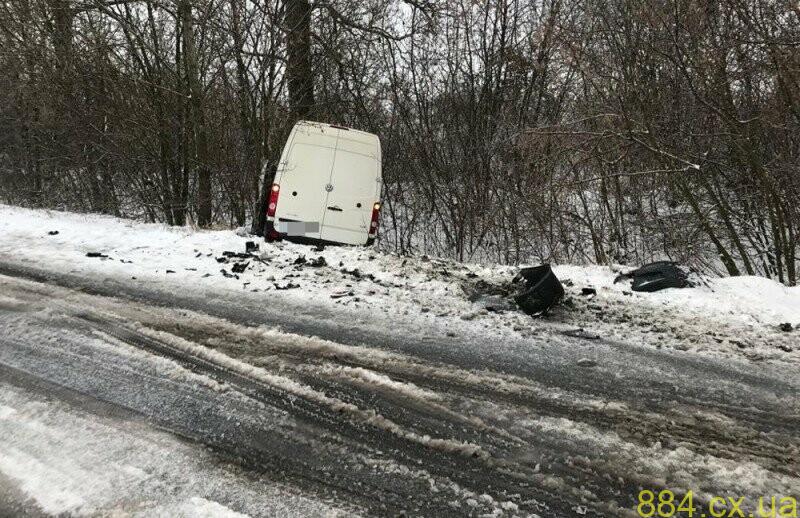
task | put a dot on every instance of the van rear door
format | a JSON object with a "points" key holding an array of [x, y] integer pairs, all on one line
{"points": [[354, 188], [304, 176]]}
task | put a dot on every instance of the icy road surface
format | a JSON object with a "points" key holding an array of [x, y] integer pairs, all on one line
{"points": [[121, 399]]}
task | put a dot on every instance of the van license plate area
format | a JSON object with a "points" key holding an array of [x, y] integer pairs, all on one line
{"points": [[298, 228]]}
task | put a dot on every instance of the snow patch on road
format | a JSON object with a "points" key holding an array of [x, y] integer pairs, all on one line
{"points": [[53, 489], [6, 412], [196, 507], [75, 463], [678, 468]]}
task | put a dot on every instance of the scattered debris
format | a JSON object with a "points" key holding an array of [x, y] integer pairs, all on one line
{"points": [[319, 248], [496, 303], [288, 286], [340, 294], [238, 255], [301, 259], [492, 298], [319, 261], [251, 246], [53, 233], [96, 254], [354, 272], [541, 290], [786, 327], [239, 267], [170, 271], [581, 333], [588, 291], [656, 276]]}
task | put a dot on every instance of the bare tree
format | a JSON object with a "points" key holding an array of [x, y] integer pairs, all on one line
{"points": [[512, 131]]}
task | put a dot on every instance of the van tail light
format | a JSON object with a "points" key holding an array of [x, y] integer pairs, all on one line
{"points": [[373, 225], [273, 200]]}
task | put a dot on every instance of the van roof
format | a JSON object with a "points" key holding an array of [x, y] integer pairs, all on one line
{"points": [[322, 125]]}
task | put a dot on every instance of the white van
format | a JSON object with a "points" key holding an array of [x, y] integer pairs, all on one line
{"points": [[327, 186]]}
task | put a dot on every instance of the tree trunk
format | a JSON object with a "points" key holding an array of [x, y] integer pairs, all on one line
{"points": [[298, 65], [260, 217], [300, 79], [197, 117], [62, 36]]}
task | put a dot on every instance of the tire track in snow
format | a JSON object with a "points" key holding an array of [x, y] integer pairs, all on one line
{"points": [[685, 424], [594, 475], [312, 463], [582, 483], [443, 457]]}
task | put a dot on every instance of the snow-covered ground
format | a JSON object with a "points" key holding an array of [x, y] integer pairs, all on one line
{"points": [[729, 316]]}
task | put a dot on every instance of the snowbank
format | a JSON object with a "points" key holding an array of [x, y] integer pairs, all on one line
{"points": [[738, 316], [748, 299]]}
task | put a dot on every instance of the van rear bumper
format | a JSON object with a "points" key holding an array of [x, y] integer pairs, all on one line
{"points": [[272, 234], [302, 240]]}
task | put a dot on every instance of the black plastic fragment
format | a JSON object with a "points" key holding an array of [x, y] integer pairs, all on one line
{"points": [[541, 291], [658, 276]]}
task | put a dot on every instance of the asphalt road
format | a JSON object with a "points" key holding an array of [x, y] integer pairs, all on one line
{"points": [[384, 421]]}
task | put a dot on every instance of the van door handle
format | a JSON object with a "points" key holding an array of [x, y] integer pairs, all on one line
{"points": [[337, 209]]}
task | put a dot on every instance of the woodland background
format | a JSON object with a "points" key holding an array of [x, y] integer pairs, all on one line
{"points": [[512, 131]]}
